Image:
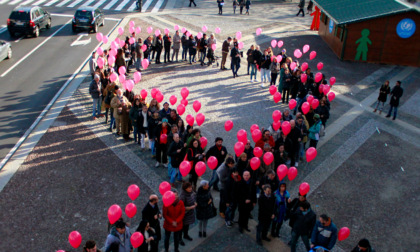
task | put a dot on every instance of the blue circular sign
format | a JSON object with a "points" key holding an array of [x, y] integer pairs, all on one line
{"points": [[406, 28], [331, 26]]}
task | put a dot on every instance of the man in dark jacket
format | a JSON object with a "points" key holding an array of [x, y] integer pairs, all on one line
{"points": [[304, 222], [225, 52], [301, 6], [324, 233], [203, 48], [270, 179], [250, 57], [184, 43], [165, 112], [235, 59], [265, 213], [247, 198], [295, 137], [176, 152], [219, 152], [232, 189], [396, 94], [223, 172], [152, 214], [96, 93], [167, 41]]}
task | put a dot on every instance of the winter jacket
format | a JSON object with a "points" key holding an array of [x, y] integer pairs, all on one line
{"points": [[250, 55], [223, 171], [148, 213], [257, 55], [383, 93], [246, 191], [274, 183], [396, 94], [280, 206], [164, 113], [184, 40], [176, 157], [203, 44], [323, 112], [152, 125], [192, 46], [174, 212], [177, 42], [315, 130], [278, 159], [303, 90], [204, 210], [294, 137], [93, 89], [214, 151], [122, 239], [232, 188], [325, 236], [189, 200], [234, 54], [275, 67], [265, 61], [265, 207], [303, 224], [287, 81]]}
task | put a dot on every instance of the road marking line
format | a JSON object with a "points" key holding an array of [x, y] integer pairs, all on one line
{"points": [[3, 1], [74, 3], [146, 5], [112, 3], [3, 29], [68, 15], [14, 2], [121, 6], [27, 2], [81, 42], [62, 3], [19, 39], [36, 48], [157, 6], [133, 6], [99, 3], [51, 2], [39, 2], [87, 3]]}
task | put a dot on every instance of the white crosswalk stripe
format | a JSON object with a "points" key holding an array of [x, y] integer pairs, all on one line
{"points": [[116, 5]]}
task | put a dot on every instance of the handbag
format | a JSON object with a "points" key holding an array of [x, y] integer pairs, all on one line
{"points": [[214, 210]]}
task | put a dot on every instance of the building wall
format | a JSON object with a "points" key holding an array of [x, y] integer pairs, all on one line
{"points": [[334, 42]]}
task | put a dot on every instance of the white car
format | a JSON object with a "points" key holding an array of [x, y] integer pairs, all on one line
{"points": [[5, 50]]}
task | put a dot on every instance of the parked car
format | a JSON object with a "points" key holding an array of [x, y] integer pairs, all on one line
{"points": [[5, 50], [88, 18], [28, 20]]}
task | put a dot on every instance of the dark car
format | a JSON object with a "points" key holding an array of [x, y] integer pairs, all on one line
{"points": [[88, 18], [28, 20]]}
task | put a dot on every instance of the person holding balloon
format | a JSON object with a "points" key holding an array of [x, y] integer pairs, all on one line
{"points": [[176, 152], [188, 196], [304, 220], [314, 131], [119, 236], [173, 215], [161, 132], [151, 213], [195, 154], [150, 243], [324, 233], [219, 152]]}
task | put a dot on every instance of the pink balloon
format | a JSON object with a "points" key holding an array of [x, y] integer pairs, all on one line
{"points": [[292, 104], [304, 66], [185, 168], [254, 127], [200, 168], [131, 30], [315, 104], [238, 35], [321, 88], [310, 99], [239, 148], [176, 27], [305, 107], [121, 70], [190, 120], [196, 106], [168, 198], [331, 96], [292, 173], [242, 135], [217, 30], [286, 128], [121, 78], [137, 77], [258, 31], [164, 187], [114, 213], [303, 78], [166, 31], [326, 89], [129, 84], [122, 43], [131, 40], [279, 58], [111, 60], [213, 47], [256, 135], [332, 80], [163, 139], [277, 97], [282, 171], [297, 53], [268, 158], [143, 93], [185, 92], [130, 210], [228, 125], [272, 89], [131, 24], [159, 97], [199, 35], [105, 39], [343, 233], [137, 239], [138, 29], [184, 102], [145, 63], [304, 188], [157, 32], [312, 55], [100, 51], [172, 99], [100, 61], [133, 192], [273, 43], [258, 152], [276, 115], [212, 162], [293, 65], [144, 48], [113, 77], [154, 92], [188, 34], [320, 65], [318, 77], [180, 109], [149, 29], [75, 239], [183, 30], [310, 154], [204, 28], [255, 163], [276, 125], [306, 48], [240, 45], [203, 142], [200, 119], [120, 31], [280, 44]]}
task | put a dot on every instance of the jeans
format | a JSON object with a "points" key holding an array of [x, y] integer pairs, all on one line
{"points": [[175, 174], [377, 105], [295, 238], [203, 57], [184, 52], [138, 64], [235, 67], [249, 66], [193, 58], [273, 78], [136, 134], [254, 70], [112, 122], [299, 102], [395, 111], [262, 229], [177, 237], [166, 54], [152, 146], [175, 53], [230, 211], [214, 181], [96, 106], [265, 75]]}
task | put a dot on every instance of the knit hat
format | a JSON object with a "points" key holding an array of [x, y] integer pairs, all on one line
{"points": [[316, 116], [164, 120], [204, 182]]}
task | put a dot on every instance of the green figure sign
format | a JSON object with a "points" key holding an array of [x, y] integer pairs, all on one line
{"points": [[362, 48]]}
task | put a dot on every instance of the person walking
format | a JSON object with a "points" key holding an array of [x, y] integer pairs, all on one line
{"points": [[173, 215], [324, 233], [383, 93], [265, 214], [241, 6], [220, 4], [247, 6], [225, 52], [189, 198], [176, 46], [192, 2], [301, 6], [235, 4], [235, 60], [303, 223], [396, 94], [310, 6], [205, 209]]}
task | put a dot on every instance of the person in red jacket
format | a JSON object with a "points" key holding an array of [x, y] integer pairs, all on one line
{"points": [[173, 215], [265, 139]]}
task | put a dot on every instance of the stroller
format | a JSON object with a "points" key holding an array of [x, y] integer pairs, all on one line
{"points": [[212, 58]]}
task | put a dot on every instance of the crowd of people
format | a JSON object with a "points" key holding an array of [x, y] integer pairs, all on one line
{"points": [[170, 142]]}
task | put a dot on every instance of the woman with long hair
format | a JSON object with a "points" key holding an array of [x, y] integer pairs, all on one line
{"points": [[195, 154], [150, 238]]}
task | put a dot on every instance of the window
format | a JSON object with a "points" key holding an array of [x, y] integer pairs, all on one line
{"points": [[37, 14]]}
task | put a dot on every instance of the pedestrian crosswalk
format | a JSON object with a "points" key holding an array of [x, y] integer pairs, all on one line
{"points": [[111, 5]]}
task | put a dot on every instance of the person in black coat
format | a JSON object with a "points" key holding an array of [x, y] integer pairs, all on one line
{"points": [[383, 93], [142, 125], [150, 242], [363, 246], [265, 213], [192, 48], [158, 48], [303, 224], [323, 112], [296, 137], [167, 42], [219, 152], [161, 148], [396, 94], [235, 59], [270, 179], [231, 192], [152, 214], [205, 207], [177, 153], [195, 154], [247, 198]]}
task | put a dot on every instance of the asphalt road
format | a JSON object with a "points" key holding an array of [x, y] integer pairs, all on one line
{"points": [[29, 84]]}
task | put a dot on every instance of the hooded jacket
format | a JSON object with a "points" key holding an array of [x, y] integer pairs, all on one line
{"points": [[325, 236], [124, 241]]}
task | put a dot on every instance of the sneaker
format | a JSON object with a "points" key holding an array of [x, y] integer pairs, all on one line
{"points": [[229, 224], [157, 164], [262, 84]]}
